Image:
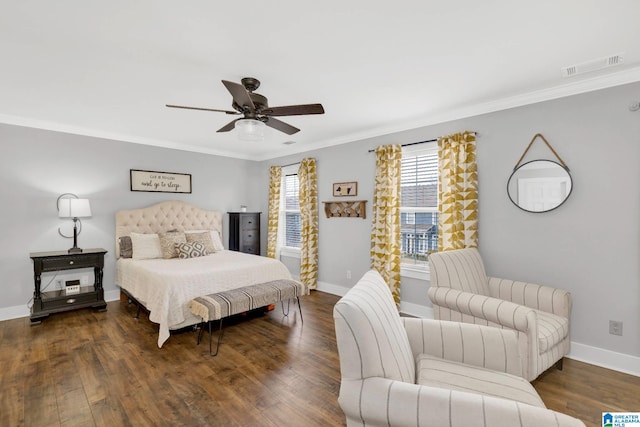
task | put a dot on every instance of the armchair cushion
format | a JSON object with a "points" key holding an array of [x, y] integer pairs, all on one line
{"points": [[441, 373], [552, 330]]}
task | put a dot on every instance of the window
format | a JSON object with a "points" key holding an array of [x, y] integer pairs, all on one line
{"points": [[290, 207], [419, 204]]}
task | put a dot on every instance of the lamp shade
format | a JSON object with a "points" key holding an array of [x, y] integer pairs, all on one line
{"points": [[74, 208], [250, 130]]}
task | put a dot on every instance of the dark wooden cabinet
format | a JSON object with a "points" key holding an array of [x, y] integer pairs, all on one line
{"points": [[49, 302], [244, 232]]}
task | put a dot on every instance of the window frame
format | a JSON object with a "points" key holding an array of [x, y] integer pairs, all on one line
{"points": [[418, 271]]}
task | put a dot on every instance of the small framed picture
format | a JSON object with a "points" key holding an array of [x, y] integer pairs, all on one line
{"points": [[345, 189]]}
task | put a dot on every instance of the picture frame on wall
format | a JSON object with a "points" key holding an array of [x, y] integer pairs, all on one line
{"points": [[160, 182], [345, 189]]}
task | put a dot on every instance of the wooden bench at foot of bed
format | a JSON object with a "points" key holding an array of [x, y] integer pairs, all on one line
{"points": [[219, 305]]}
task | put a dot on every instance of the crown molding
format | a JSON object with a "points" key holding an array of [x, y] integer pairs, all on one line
{"points": [[576, 87], [571, 88]]}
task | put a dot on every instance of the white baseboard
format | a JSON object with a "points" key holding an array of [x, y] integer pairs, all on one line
{"points": [[332, 289], [416, 310], [18, 311], [14, 312], [605, 358], [405, 307]]}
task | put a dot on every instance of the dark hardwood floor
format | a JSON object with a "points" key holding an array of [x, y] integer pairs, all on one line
{"points": [[85, 368]]}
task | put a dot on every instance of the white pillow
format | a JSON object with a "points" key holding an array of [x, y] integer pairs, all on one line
{"points": [[146, 246], [217, 241], [215, 238]]}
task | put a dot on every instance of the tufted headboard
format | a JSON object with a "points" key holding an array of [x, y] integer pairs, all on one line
{"points": [[163, 217]]}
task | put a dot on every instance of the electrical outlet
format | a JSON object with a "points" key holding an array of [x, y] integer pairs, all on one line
{"points": [[84, 280], [348, 274], [615, 327]]}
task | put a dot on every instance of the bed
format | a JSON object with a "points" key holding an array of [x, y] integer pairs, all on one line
{"points": [[166, 286]]}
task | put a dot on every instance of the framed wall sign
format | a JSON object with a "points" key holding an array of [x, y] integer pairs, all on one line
{"points": [[161, 182], [345, 189]]}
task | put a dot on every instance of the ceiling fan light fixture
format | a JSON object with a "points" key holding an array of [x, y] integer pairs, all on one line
{"points": [[250, 130]]}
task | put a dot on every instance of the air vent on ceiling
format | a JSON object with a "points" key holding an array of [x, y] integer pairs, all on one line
{"points": [[593, 65]]}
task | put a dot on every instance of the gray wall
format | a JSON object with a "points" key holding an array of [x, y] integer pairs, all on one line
{"points": [[590, 245], [37, 166]]}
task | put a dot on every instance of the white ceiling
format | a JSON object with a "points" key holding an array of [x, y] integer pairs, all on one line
{"points": [[107, 68]]}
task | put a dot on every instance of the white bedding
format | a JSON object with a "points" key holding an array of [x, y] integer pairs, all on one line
{"points": [[165, 286]]}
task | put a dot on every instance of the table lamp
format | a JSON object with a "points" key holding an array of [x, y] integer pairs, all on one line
{"points": [[74, 208]]}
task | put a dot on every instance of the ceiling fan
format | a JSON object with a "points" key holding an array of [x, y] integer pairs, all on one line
{"points": [[255, 108]]}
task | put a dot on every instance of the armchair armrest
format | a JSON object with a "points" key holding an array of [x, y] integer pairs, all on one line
{"points": [[544, 298], [501, 312], [382, 402], [482, 346]]}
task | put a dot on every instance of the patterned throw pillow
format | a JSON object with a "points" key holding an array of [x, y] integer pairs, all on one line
{"points": [[190, 250], [168, 242], [126, 247], [204, 238]]}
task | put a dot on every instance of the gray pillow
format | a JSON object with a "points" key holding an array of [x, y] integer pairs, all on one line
{"points": [[126, 247]]}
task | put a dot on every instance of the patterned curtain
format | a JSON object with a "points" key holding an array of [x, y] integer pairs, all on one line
{"points": [[385, 230], [458, 192], [309, 217], [275, 179]]}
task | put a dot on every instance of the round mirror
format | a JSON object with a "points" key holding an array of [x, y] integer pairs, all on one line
{"points": [[539, 185]]}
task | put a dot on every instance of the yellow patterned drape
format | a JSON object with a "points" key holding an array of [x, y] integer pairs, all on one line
{"points": [[308, 197], [385, 230], [458, 192], [275, 181]]}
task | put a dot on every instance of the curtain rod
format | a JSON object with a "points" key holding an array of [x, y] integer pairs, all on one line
{"points": [[419, 142], [411, 143], [291, 164]]}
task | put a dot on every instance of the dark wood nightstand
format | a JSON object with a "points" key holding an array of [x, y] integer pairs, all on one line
{"points": [[244, 232], [46, 303]]}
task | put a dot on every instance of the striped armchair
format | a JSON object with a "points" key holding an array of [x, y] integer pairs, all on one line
{"points": [[461, 291], [423, 372]]}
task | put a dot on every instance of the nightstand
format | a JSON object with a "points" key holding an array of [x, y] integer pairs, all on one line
{"points": [[244, 232], [49, 302]]}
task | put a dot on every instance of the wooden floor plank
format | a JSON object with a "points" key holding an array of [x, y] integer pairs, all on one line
{"points": [[105, 369], [12, 364], [40, 404]]}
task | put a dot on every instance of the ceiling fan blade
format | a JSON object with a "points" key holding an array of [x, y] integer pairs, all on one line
{"points": [[240, 94], [281, 126], [294, 110], [229, 126], [201, 109]]}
